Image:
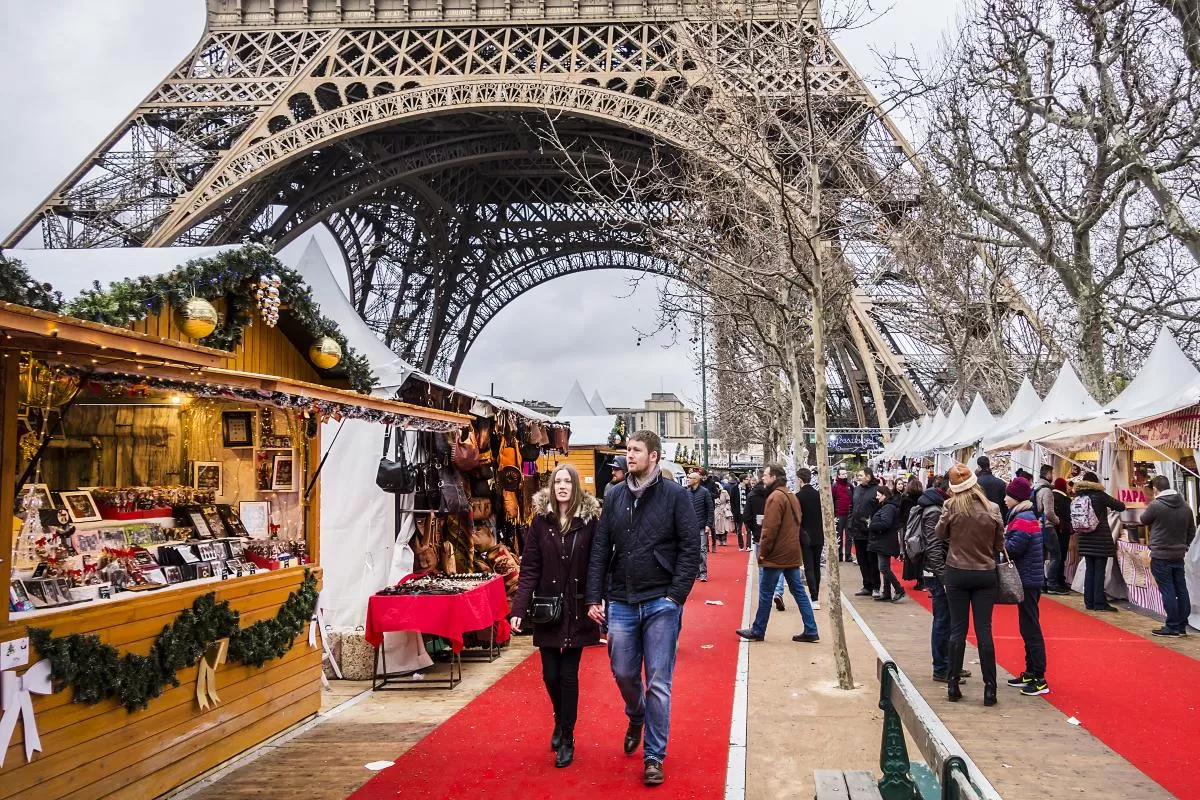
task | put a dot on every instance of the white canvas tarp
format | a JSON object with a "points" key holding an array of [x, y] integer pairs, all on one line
{"points": [[1066, 403], [979, 423]]}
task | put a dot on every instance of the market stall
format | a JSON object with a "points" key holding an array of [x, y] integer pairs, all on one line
{"points": [[595, 441], [164, 557]]}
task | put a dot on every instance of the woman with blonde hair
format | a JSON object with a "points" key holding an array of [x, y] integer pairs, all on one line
{"points": [[975, 531], [550, 595]]}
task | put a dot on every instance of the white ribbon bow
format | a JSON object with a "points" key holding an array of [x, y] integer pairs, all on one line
{"points": [[16, 698]]}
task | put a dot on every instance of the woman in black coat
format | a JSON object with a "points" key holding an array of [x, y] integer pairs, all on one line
{"points": [[1096, 546], [554, 565], [884, 542], [912, 566]]}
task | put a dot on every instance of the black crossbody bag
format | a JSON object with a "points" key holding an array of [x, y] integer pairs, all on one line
{"points": [[548, 610]]}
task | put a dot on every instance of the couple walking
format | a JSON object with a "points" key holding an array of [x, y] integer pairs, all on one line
{"points": [[643, 548]]}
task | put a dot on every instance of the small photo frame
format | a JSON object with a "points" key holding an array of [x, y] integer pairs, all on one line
{"points": [[256, 517], [36, 593], [283, 477], [209, 475], [88, 541], [41, 490], [80, 506], [195, 515], [206, 551], [204, 570], [233, 522], [216, 525], [237, 428], [173, 574], [236, 549]]}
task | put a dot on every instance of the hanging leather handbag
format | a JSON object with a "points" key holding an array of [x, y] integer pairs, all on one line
{"points": [[1011, 591], [426, 543], [530, 452], [466, 452], [393, 476], [483, 439], [545, 610], [454, 496], [481, 508]]}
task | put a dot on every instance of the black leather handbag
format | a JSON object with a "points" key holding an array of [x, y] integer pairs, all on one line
{"points": [[393, 477], [545, 610]]}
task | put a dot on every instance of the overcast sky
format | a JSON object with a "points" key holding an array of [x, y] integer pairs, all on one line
{"points": [[73, 69]]}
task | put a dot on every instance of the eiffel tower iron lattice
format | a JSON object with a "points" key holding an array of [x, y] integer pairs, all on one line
{"points": [[408, 129]]}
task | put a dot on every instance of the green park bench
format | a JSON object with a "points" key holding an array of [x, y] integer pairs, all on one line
{"points": [[905, 709]]}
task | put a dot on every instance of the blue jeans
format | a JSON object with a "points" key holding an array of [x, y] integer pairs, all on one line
{"points": [[939, 635], [766, 586], [1172, 584], [778, 583], [645, 634]]}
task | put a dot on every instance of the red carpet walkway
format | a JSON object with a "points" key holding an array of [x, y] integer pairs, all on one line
{"points": [[1137, 697], [498, 745]]}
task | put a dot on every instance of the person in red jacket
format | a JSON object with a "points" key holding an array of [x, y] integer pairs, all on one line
{"points": [[843, 499]]}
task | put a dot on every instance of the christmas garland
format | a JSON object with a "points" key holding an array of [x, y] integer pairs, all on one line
{"points": [[18, 286], [226, 276], [96, 671]]}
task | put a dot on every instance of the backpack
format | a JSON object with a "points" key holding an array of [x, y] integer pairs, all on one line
{"points": [[914, 539], [1083, 515]]}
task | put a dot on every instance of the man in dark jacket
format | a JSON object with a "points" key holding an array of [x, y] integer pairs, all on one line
{"points": [[843, 502], [862, 509], [1172, 527], [812, 533], [884, 543], [647, 551], [714, 489], [756, 501], [993, 487], [1047, 514], [702, 507]]}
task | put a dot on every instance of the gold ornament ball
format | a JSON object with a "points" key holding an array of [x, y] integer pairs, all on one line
{"points": [[325, 353], [197, 318]]}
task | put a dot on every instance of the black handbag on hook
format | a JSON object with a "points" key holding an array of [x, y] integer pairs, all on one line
{"points": [[393, 476]]}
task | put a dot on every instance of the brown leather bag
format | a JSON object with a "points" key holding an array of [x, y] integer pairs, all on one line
{"points": [[481, 508], [562, 439], [483, 437], [426, 543], [465, 452]]}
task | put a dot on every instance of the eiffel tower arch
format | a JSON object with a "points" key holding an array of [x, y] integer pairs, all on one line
{"points": [[408, 129]]}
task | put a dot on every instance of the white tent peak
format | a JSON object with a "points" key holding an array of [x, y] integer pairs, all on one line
{"points": [[954, 423], [978, 423], [929, 434], [1067, 399], [576, 404], [598, 407], [1166, 373]]}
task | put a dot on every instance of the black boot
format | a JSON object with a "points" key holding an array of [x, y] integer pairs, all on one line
{"points": [[556, 737], [989, 694], [955, 652], [987, 665], [566, 749]]}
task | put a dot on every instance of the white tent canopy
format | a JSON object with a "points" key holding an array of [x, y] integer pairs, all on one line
{"points": [[978, 423], [954, 422], [598, 407], [928, 434], [590, 430], [1167, 382], [918, 429], [1067, 402], [897, 443], [576, 404]]}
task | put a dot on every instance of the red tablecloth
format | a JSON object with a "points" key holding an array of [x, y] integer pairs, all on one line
{"points": [[448, 615]]}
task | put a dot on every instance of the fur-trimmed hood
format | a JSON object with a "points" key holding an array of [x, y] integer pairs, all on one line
{"points": [[1088, 486], [589, 507]]}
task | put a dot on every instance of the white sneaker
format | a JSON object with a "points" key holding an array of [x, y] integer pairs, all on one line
{"points": [[876, 594], [816, 604]]}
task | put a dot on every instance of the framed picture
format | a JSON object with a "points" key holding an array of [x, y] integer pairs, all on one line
{"points": [[36, 593], [39, 489], [216, 525], [208, 475], [283, 478], [195, 515], [237, 428], [87, 541], [256, 517], [206, 551], [173, 574], [80, 506], [236, 549], [233, 523], [204, 570]]}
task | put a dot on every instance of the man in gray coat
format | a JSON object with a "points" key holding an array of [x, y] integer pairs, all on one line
{"points": [[1172, 526]]}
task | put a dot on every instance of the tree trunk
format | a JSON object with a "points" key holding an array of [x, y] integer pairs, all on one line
{"points": [[841, 654], [796, 390]]}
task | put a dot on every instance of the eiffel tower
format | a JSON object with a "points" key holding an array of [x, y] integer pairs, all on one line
{"points": [[401, 126]]}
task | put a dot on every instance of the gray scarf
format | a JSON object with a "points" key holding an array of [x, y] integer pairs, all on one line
{"points": [[639, 487]]}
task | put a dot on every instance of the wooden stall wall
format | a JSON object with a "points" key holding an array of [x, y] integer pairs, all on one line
{"points": [[103, 750], [263, 350], [584, 460], [116, 445]]}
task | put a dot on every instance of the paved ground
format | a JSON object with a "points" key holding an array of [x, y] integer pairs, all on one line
{"points": [[1023, 744]]}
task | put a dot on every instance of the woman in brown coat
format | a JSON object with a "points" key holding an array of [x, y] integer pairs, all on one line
{"points": [[554, 565], [973, 526]]}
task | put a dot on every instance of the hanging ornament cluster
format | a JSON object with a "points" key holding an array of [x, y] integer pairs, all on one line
{"points": [[197, 318], [267, 296], [325, 353]]}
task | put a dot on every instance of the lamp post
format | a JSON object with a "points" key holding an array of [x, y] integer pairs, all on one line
{"points": [[704, 382]]}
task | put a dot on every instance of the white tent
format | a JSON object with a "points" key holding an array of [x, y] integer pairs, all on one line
{"points": [[954, 422], [897, 443], [978, 423], [918, 429], [590, 430], [1167, 382], [576, 404], [928, 434], [598, 407], [1066, 403]]}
